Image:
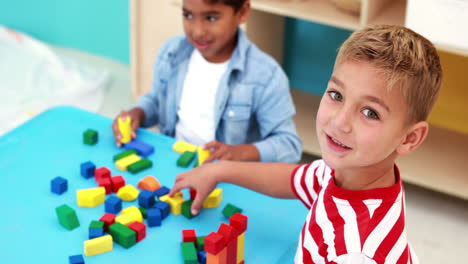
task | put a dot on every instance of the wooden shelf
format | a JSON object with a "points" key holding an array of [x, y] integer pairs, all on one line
{"points": [[321, 11], [439, 164], [391, 14]]}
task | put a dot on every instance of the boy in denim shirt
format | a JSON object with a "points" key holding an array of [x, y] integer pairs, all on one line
{"points": [[213, 87]]}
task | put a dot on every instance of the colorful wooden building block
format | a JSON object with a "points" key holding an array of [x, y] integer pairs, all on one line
{"points": [[175, 203], [164, 207], [117, 182], [58, 185], [240, 248], [122, 164], [113, 205], [96, 224], [239, 222], [87, 169], [140, 165], [182, 146], [97, 245], [125, 129], [186, 209], [146, 199], [106, 183], [161, 191], [124, 154], [189, 253], [108, 219], [123, 235], [140, 230], [101, 173], [230, 210], [201, 257], [90, 197], [142, 148], [185, 159], [230, 235], [133, 212], [90, 137], [76, 259], [153, 217], [124, 219], [189, 235], [214, 199], [202, 154], [95, 232], [214, 243], [128, 193], [220, 258], [149, 183], [67, 217]]}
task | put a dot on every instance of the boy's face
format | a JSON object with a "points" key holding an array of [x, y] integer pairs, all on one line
{"points": [[359, 123], [212, 28]]}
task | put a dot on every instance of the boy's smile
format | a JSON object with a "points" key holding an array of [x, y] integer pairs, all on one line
{"points": [[360, 123], [212, 28]]}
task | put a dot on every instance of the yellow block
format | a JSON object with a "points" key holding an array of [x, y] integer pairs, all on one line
{"points": [[91, 197], [124, 219], [97, 245], [203, 154], [214, 199], [240, 247], [128, 193], [123, 163], [125, 128], [182, 146], [174, 202], [134, 213]]}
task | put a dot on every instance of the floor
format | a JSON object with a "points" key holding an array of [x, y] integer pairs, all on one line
{"points": [[437, 224]]}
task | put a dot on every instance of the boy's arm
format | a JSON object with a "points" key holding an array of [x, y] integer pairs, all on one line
{"points": [[273, 179]]}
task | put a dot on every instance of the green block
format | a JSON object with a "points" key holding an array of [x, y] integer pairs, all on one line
{"points": [[196, 163], [125, 154], [90, 137], [122, 235], [143, 211], [186, 209], [96, 224], [140, 165], [67, 217], [201, 243], [189, 253], [230, 209], [185, 159]]}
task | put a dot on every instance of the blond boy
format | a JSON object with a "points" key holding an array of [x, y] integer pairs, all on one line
{"points": [[384, 84]]}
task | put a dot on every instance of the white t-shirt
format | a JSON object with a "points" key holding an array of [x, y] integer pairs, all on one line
{"points": [[197, 105]]}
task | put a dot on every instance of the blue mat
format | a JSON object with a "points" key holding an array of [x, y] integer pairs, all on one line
{"points": [[51, 145]]}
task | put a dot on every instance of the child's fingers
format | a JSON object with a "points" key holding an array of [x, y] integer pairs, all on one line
{"points": [[214, 155], [197, 203], [212, 145], [178, 185]]}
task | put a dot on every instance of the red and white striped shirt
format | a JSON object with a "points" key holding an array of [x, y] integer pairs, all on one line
{"points": [[352, 227]]}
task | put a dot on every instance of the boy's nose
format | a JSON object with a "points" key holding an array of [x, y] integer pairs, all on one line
{"points": [[343, 120], [198, 31]]}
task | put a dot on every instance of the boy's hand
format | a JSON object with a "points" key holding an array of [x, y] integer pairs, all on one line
{"points": [[202, 179], [136, 115], [221, 151]]}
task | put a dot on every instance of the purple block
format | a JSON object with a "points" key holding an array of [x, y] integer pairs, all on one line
{"points": [[143, 149]]}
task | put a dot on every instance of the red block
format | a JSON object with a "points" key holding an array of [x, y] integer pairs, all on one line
{"points": [[189, 235], [193, 193], [214, 243], [140, 230], [101, 172], [239, 222], [106, 183], [117, 183], [230, 235], [108, 220]]}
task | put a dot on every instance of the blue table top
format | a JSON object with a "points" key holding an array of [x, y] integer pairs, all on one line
{"points": [[51, 144]]}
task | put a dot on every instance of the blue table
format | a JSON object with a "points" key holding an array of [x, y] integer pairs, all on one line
{"points": [[51, 145]]}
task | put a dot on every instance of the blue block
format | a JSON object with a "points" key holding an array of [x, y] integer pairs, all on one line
{"points": [[58, 185], [143, 149], [146, 199], [87, 169], [164, 208], [96, 232], [113, 205], [153, 217], [201, 257], [76, 259], [161, 191]]}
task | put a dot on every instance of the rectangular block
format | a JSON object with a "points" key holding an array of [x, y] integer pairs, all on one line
{"points": [[182, 146], [185, 159], [98, 245], [142, 148], [140, 165], [67, 217], [123, 163], [124, 154], [123, 235], [189, 253]]}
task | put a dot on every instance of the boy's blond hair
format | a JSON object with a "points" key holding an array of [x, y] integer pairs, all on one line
{"points": [[405, 58]]}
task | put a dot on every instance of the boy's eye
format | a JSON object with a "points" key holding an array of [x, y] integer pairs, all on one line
{"points": [[336, 96], [211, 18], [370, 113], [187, 15]]}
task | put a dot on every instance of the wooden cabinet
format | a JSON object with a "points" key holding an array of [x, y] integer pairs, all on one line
{"points": [[439, 164]]}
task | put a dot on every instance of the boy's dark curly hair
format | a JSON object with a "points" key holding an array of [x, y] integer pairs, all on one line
{"points": [[236, 4]]}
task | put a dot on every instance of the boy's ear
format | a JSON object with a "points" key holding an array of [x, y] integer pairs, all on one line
{"points": [[244, 12], [416, 134]]}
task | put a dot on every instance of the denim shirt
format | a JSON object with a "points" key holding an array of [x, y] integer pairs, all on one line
{"points": [[253, 103]]}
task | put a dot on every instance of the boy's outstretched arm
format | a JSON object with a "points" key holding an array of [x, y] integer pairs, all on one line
{"points": [[273, 179]]}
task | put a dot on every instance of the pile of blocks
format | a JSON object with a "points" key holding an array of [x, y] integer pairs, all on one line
{"points": [[190, 152], [225, 246]]}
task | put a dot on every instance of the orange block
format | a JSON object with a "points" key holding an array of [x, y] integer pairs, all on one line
{"points": [[149, 183], [220, 258]]}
